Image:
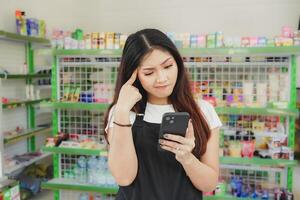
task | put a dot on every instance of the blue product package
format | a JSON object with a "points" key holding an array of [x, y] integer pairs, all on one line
{"points": [[86, 97]]}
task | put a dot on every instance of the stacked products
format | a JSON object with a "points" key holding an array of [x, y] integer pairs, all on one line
{"points": [[29, 26], [111, 40]]}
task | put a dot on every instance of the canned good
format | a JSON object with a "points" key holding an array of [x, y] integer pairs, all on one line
{"points": [[101, 41], [87, 41], [117, 40], [211, 40], [109, 40], [193, 41], [245, 42], [123, 39], [219, 39], [95, 38], [201, 41]]}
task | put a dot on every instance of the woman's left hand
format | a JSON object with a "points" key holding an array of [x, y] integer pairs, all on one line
{"points": [[182, 147]]}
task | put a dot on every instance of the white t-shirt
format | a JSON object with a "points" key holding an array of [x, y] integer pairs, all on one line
{"points": [[154, 113]]}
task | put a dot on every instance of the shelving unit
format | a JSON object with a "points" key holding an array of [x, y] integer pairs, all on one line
{"points": [[17, 111], [253, 90], [258, 65]]}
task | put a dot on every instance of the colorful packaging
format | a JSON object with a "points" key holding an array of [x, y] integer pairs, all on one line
{"points": [[179, 40], [228, 42], [248, 93], [278, 41], [81, 44], [88, 41], [262, 42], [186, 40], [201, 41], [117, 40], [287, 42], [261, 91], [297, 38], [123, 39], [42, 28], [287, 31], [245, 42], [248, 148], [219, 39], [21, 22], [270, 42], [235, 148], [95, 38], [253, 41], [67, 42], [193, 41], [109, 40], [101, 41], [211, 40]]}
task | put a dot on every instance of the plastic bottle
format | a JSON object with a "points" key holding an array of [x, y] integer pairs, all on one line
{"points": [[92, 169], [81, 170], [101, 175]]}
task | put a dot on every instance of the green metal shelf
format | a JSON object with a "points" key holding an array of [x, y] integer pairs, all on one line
{"points": [[22, 103], [22, 38], [75, 151], [10, 170], [104, 52], [257, 111], [191, 51], [258, 161], [77, 105], [241, 51], [24, 76], [71, 184], [7, 184], [28, 133], [224, 197]]}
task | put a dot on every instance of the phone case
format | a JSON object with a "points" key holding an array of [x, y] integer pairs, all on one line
{"points": [[174, 123]]}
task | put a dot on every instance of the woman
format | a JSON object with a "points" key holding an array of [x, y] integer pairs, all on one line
{"points": [[152, 81]]}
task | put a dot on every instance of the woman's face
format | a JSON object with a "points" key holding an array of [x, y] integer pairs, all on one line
{"points": [[158, 74]]}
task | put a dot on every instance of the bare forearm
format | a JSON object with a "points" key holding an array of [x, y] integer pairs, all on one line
{"points": [[122, 156], [203, 177]]}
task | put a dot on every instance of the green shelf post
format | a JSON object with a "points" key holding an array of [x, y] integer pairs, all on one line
{"points": [[31, 144], [293, 101], [55, 122]]}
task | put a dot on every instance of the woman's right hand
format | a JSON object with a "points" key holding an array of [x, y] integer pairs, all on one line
{"points": [[129, 95]]}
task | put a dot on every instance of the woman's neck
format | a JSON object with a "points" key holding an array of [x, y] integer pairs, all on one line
{"points": [[158, 101]]}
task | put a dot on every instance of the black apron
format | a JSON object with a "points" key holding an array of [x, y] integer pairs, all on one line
{"points": [[160, 176]]}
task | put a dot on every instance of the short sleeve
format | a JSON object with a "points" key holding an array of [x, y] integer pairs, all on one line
{"points": [[210, 114], [110, 120]]}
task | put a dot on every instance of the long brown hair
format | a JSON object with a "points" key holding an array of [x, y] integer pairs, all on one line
{"points": [[136, 47]]}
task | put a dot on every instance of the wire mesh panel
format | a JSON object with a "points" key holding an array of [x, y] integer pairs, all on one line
{"points": [[255, 135], [87, 170], [262, 184], [82, 124], [75, 195], [240, 81], [87, 79]]}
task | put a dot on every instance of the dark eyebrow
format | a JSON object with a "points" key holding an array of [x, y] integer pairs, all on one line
{"points": [[165, 60], [151, 68]]}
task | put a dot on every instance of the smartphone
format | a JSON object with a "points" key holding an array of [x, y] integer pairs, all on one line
{"points": [[174, 123]]}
